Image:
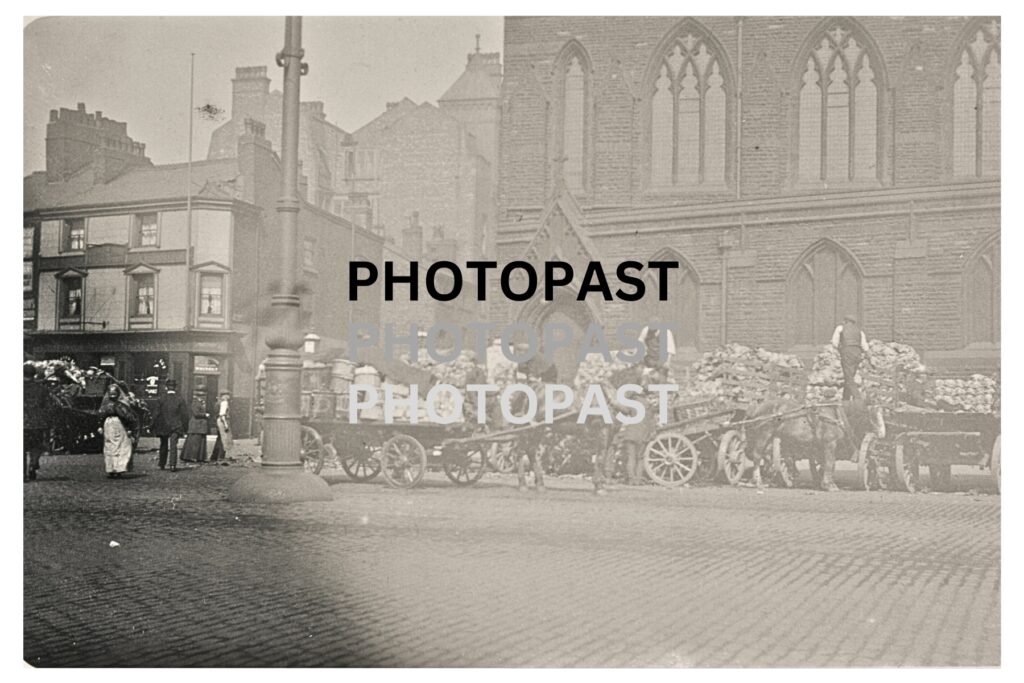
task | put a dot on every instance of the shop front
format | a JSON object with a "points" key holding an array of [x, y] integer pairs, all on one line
{"points": [[201, 362]]}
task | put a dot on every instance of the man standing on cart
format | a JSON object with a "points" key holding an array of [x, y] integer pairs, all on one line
{"points": [[852, 344]]}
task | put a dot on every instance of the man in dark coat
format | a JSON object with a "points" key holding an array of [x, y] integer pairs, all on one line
{"points": [[36, 420], [169, 423]]}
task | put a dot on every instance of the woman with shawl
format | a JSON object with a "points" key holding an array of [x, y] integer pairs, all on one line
{"points": [[118, 424]]}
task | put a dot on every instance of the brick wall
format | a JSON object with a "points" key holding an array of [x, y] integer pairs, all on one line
{"points": [[910, 234]]}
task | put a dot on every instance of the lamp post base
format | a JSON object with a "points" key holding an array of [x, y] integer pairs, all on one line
{"points": [[290, 486]]}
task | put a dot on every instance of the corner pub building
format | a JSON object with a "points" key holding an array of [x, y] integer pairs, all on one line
{"points": [[109, 280], [798, 168]]}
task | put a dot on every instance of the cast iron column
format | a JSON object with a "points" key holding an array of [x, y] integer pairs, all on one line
{"points": [[282, 478]]}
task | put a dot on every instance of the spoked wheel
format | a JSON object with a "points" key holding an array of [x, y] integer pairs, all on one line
{"points": [[312, 451], [940, 477], [362, 462], [907, 469], [732, 457], [784, 470], [670, 459], [996, 464], [503, 457], [872, 468], [464, 468], [403, 461]]}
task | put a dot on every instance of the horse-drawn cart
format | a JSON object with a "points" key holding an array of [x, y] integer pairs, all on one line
{"points": [[938, 440], [402, 452], [695, 443], [927, 427]]}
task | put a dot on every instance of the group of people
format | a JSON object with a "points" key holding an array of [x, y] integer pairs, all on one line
{"points": [[121, 428], [173, 419]]}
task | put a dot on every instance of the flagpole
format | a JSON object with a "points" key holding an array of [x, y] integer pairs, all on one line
{"points": [[188, 192]]}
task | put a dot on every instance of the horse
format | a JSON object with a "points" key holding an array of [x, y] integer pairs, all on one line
{"points": [[819, 431], [534, 444]]}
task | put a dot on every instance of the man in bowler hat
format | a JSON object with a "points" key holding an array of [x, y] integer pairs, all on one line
{"points": [[169, 423]]}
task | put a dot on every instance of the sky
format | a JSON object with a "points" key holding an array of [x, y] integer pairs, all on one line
{"points": [[137, 69]]}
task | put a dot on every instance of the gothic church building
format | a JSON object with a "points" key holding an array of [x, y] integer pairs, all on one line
{"points": [[798, 168]]}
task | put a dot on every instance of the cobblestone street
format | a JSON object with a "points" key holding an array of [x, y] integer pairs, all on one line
{"points": [[487, 576]]}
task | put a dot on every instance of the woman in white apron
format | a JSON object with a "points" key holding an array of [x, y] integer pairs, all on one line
{"points": [[118, 424]]}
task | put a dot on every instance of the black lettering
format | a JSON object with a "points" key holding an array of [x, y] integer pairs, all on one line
{"points": [[531, 278], [390, 280], [481, 268], [594, 271], [625, 278], [456, 280], [550, 281], [355, 282], [661, 267]]}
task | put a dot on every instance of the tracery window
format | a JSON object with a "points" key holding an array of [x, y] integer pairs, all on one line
{"points": [[574, 124], [976, 100], [688, 115], [982, 283], [838, 110], [824, 286], [571, 119], [681, 309]]}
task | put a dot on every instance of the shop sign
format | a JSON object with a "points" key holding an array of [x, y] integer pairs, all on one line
{"points": [[206, 365]]}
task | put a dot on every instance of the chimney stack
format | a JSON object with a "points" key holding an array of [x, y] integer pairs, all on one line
{"points": [[76, 139], [412, 238]]}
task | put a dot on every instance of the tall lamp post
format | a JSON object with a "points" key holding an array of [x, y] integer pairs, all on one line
{"points": [[281, 478]]}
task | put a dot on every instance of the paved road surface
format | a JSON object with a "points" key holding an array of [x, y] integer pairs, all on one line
{"points": [[440, 576]]}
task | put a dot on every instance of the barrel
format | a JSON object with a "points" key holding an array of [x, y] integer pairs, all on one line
{"points": [[367, 375]]}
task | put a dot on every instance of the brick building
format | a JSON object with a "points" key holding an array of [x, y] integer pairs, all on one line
{"points": [[111, 278], [319, 139], [798, 168], [437, 161]]}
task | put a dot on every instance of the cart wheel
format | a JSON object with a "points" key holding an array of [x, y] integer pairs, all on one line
{"points": [[940, 477], [908, 471], [869, 464], [503, 457], [464, 468], [671, 459], [362, 463], [312, 450], [784, 470], [404, 460], [732, 457], [996, 464]]}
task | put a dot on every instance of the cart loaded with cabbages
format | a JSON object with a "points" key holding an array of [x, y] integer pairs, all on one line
{"points": [[934, 422], [75, 396], [402, 451], [705, 436]]}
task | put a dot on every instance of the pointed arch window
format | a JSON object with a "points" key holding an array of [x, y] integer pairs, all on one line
{"points": [[982, 280], [688, 114], [838, 110], [824, 285], [976, 102], [682, 308], [572, 72]]}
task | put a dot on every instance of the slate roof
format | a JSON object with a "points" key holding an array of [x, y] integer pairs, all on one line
{"points": [[213, 179], [480, 81]]}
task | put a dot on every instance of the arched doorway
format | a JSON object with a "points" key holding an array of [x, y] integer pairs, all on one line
{"points": [[564, 309]]}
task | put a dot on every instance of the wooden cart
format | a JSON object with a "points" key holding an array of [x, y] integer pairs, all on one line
{"points": [[937, 440]]}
